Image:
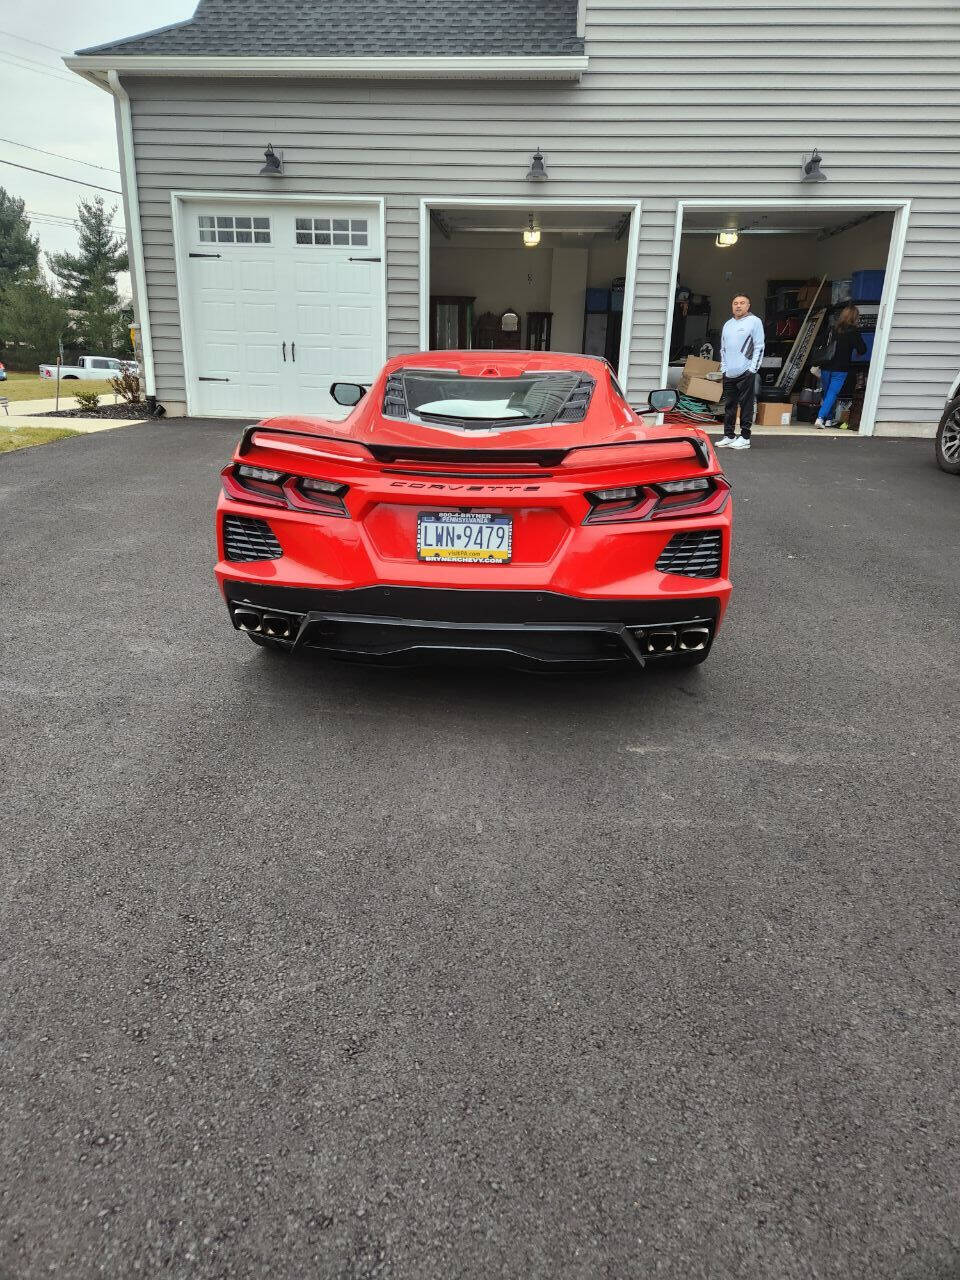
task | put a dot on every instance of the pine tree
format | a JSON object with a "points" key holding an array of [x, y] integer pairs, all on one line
{"points": [[88, 280], [19, 250], [33, 318]]}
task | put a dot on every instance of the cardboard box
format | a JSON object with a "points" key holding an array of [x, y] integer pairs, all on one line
{"points": [[771, 413], [701, 389], [693, 380], [696, 367]]}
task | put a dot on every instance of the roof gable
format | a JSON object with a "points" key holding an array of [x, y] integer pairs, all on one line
{"points": [[363, 28]]}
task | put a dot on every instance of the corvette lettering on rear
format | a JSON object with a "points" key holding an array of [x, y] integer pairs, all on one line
{"points": [[465, 488]]}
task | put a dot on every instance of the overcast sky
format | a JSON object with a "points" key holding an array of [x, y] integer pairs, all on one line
{"points": [[45, 106]]}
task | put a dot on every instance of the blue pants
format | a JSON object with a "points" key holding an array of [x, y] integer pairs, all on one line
{"points": [[831, 382]]}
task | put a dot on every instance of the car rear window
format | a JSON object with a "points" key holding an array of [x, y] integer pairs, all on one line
{"points": [[482, 403]]}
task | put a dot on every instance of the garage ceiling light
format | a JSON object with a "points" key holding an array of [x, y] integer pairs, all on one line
{"points": [[726, 239], [531, 235]]}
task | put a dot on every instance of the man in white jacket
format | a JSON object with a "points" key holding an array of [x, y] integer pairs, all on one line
{"points": [[741, 350]]}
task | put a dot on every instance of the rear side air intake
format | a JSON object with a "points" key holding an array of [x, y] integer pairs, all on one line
{"points": [[694, 555], [245, 538]]}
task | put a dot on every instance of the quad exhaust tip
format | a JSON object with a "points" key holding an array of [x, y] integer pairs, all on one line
{"points": [[661, 641], [694, 639], [277, 626], [247, 620], [667, 640]]}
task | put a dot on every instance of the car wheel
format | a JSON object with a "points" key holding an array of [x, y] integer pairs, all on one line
{"points": [[265, 642], [948, 439]]}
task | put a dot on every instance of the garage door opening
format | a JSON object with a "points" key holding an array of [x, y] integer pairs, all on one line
{"points": [[529, 277], [801, 267]]}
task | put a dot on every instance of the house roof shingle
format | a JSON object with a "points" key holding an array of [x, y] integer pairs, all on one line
{"points": [[363, 28]]}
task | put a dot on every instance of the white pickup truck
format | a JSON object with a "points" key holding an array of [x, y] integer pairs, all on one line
{"points": [[90, 367]]}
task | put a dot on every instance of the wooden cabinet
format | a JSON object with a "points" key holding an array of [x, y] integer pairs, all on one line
{"points": [[451, 322], [539, 326], [498, 332]]}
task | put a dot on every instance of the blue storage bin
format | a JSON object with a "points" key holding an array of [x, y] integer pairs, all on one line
{"points": [[616, 299], [868, 336], [866, 286], [598, 300]]}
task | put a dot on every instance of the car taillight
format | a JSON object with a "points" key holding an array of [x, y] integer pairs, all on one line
{"points": [[698, 496], [264, 487], [307, 494]]}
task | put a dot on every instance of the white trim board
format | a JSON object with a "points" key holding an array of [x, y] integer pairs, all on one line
{"points": [[494, 67], [131, 209], [179, 198], [898, 239], [532, 203]]}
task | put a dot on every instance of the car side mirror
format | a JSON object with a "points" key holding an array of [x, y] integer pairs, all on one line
{"points": [[662, 401], [347, 393]]}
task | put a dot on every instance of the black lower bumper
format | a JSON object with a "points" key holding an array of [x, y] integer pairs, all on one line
{"points": [[520, 628]]}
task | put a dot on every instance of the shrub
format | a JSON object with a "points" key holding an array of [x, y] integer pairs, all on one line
{"points": [[88, 399], [127, 386]]}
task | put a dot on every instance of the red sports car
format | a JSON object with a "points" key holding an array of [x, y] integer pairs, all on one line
{"points": [[501, 504]]}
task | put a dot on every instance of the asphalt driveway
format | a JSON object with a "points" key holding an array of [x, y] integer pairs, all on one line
{"points": [[310, 970]]}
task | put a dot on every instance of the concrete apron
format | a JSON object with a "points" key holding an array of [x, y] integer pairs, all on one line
{"points": [[29, 413], [72, 424]]}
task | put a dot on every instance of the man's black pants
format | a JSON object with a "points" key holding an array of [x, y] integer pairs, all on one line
{"points": [[739, 393]]}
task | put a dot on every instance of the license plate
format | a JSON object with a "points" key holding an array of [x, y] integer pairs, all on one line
{"points": [[464, 537]]}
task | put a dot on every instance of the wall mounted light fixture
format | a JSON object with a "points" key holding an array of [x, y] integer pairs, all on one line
{"points": [[726, 239], [811, 168], [536, 172], [274, 163], [531, 235]]}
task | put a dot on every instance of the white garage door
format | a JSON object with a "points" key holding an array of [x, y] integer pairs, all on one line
{"points": [[280, 300]]}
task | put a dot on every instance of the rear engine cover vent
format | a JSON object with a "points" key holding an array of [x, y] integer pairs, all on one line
{"points": [[247, 539], [578, 402], [395, 397], [695, 555]]}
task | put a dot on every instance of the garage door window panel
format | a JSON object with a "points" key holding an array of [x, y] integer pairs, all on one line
{"points": [[333, 231], [233, 229]]}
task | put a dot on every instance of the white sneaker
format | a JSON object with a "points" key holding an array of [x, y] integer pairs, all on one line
{"points": [[820, 423], [740, 443], [724, 442]]}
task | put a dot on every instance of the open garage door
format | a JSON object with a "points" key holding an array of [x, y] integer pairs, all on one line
{"points": [[529, 274], [805, 267]]}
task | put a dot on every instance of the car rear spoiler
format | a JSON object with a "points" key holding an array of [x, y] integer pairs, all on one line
{"points": [[246, 440], [496, 457]]}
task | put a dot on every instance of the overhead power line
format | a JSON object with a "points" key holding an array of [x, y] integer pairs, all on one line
{"points": [[47, 174], [61, 219], [38, 68], [57, 155], [38, 43]]}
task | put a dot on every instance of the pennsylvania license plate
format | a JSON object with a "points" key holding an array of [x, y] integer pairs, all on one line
{"points": [[464, 537]]}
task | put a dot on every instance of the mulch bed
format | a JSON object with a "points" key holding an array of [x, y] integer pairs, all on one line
{"points": [[129, 411]]}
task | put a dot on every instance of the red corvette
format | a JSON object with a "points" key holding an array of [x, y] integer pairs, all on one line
{"points": [[479, 503]]}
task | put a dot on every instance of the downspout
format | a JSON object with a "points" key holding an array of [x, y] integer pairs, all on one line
{"points": [[131, 204]]}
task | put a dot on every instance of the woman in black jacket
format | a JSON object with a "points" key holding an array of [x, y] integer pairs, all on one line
{"points": [[834, 371]]}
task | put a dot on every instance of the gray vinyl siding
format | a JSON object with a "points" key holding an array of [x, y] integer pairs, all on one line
{"points": [[680, 102]]}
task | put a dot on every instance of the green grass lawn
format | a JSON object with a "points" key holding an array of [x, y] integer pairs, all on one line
{"points": [[30, 386], [23, 437]]}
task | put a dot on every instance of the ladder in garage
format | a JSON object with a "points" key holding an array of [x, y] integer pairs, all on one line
{"points": [[802, 345]]}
